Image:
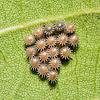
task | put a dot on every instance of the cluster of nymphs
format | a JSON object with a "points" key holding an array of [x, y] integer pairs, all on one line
{"points": [[48, 45]]}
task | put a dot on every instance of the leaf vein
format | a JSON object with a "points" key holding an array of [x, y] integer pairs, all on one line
{"points": [[49, 18], [96, 70]]}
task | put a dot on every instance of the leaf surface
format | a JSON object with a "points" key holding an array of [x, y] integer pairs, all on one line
{"points": [[79, 79]]}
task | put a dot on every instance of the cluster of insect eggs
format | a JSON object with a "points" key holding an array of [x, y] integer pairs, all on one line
{"points": [[42, 48]]}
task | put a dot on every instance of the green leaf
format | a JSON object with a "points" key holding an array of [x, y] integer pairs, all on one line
{"points": [[79, 79]]}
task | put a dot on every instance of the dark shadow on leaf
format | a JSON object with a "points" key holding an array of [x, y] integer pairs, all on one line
{"points": [[25, 46], [65, 62], [58, 70], [52, 86], [42, 79], [74, 48], [85, 20], [33, 72]]}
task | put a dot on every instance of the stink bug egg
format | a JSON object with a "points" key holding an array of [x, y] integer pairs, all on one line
{"points": [[41, 44], [52, 76], [48, 29], [74, 39], [65, 52], [34, 62], [29, 40], [59, 26], [51, 41], [43, 70], [38, 32], [53, 52], [55, 63], [31, 51], [44, 56], [70, 28], [62, 39]]}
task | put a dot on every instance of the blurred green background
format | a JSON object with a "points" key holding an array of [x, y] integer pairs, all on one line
{"points": [[79, 79]]}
